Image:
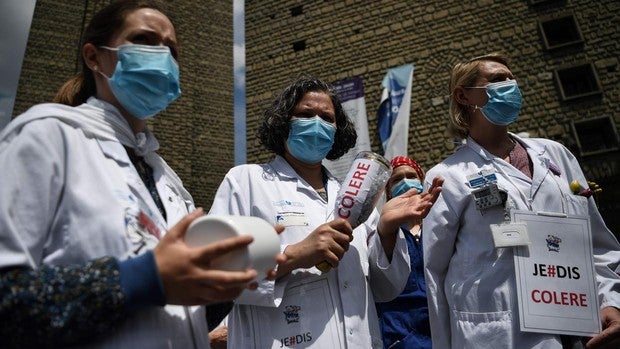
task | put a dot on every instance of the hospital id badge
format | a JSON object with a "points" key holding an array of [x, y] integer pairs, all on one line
{"points": [[510, 234], [487, 196], [291, 219]]}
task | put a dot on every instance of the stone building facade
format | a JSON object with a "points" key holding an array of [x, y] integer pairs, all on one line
{"points": [[196, 131], [544, 39]]}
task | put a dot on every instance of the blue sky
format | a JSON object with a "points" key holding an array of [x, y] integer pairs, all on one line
{"points": [[239, 71]]}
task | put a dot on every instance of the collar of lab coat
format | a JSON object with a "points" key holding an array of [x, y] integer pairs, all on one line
{"points": [[537, 152], [285, 170], [533, 148], [540, 160], [96, 118], [102, 121]]}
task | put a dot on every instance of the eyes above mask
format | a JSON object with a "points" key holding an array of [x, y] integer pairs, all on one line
{"points": [[145, 80], [310, 139], [404, 185], [504, 102]]}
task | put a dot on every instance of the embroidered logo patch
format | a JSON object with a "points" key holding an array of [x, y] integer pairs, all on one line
{"points": [[291, 313], [553, 243], [285, 203]]}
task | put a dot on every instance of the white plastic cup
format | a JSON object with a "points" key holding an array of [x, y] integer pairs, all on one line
{"points": [[260, 254]]}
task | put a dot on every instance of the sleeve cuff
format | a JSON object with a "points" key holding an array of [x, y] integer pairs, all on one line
{"points": [[140, 282], [377, 253]]}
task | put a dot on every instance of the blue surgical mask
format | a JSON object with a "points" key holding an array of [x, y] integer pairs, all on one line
{"points": [[145, 80], [504, 103], [405, 184], [310, 139]]}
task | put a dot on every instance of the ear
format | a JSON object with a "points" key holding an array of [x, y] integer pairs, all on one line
{"points": [[459, 96], [89, 54]]}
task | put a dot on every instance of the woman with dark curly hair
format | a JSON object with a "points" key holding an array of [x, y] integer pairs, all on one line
{"points": [[275, 127], [303, 306]]}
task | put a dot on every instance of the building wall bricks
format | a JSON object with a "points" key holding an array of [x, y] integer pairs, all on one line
{"points": [[364, 38]]}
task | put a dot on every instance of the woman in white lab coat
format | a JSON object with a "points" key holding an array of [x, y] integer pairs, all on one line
{"points": [[86, 203], [471, 285], [305, 307]]}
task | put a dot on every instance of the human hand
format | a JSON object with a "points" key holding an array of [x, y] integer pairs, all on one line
{"points": [[186, 271], [328, 242], [609, 338], [408, 208], [218, 338]]}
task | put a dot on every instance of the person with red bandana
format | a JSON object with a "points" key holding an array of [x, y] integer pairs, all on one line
{"points": [[404, 320]]}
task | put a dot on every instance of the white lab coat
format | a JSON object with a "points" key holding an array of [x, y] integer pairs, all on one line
{"points": [[334, 310], [70, 194], [471, 285]]}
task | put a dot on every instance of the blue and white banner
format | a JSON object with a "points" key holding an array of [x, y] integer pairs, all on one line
{"points": [[351, 94], [394, 110]]}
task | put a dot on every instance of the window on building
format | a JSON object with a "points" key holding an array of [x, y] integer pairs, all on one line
{"points": [[297, 10], [299, 45], [595, 136], [577, 82], [560, 32], [537, 2]]}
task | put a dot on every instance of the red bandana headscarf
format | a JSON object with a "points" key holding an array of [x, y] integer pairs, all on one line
{"points": [[403, 160]]}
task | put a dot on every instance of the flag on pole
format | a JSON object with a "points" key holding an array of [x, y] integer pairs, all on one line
{"points": [[394, 110], [351, 94]]}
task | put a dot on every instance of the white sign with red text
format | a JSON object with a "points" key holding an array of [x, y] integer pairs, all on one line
{"points": [[555, 275], [361, 188]]}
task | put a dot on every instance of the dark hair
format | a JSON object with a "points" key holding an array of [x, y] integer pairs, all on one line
{"points": [[99, 31], [273, 131]]}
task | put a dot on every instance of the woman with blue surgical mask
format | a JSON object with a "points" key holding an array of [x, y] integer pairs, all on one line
{"points": [[469, 236], [92, 219], [136, 72], [305, 307], [404, 320]]}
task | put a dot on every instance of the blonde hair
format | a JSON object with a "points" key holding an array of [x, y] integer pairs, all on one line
{"points": [[76, 90], [465, 74]]}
